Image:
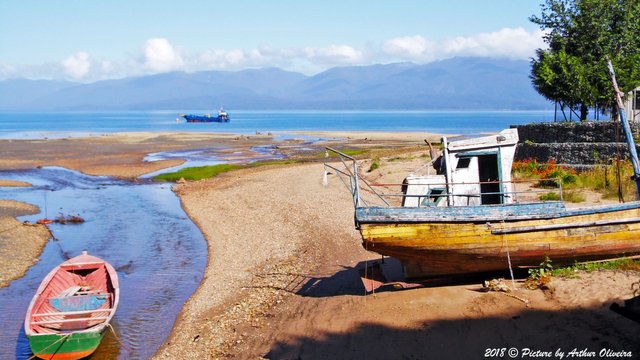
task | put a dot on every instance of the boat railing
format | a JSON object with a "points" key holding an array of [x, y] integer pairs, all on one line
{"points": [[366, 193], [530, 194]]}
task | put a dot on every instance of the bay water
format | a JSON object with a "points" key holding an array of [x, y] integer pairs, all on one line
{"points": [[17, 125]]}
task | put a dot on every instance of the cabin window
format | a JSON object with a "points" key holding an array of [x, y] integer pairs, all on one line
{"points": [[434, 197], [463, 163]]}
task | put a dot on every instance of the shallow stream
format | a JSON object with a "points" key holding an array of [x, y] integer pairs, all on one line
{"points": [[140, 228]]}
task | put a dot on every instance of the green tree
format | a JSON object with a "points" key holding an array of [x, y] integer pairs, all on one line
{"points": [[580, 35]]}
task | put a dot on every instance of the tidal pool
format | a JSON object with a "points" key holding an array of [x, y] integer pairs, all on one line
{"points": [[138, 227]]}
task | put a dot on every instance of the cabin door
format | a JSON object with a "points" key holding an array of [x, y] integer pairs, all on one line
{"points": [[488, 171]]}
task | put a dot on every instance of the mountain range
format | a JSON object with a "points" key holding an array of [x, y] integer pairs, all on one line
{"points": [[453, 84]]}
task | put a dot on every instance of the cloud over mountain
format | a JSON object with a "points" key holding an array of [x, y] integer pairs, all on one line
{"points": [[159, 55], [505, 43], [77, 66]]}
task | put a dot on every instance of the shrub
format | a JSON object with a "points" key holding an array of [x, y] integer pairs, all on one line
{"points": [[550, 196], [375, 163], [540, 276]]}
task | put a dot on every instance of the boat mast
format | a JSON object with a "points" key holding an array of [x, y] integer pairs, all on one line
{"points": [[627, 131]]}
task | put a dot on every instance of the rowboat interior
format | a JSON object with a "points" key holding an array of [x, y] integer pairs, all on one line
{"points": [[78, 297]]}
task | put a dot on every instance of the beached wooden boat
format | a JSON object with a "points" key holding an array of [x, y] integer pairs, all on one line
{"points": [[468, 218], [436, 242], [71, 310]]}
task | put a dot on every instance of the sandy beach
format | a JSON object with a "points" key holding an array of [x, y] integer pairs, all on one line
{"points": [[282, 282], [283, 285], [20, 243]]}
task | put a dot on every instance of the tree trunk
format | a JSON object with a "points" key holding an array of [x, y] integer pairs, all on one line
{"points": [[584, 111]]}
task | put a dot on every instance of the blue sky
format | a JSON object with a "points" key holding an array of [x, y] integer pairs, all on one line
{"points": [[91, 40]]}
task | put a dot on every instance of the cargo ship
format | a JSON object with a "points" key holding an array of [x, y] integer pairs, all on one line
{"points": [[222, 116]]}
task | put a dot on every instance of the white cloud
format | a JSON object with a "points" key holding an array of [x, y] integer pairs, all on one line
{"points": [[77, 66], [160, 56], [334, 55], [410, 48], [313, 59], [506, 43]]}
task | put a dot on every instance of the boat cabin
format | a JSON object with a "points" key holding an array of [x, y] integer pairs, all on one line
{"points": [[469, 172]]}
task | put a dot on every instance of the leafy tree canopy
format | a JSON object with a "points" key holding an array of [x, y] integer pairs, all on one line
{"points": [[580, 35]]}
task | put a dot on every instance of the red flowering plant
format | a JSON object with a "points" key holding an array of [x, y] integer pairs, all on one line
{"points": [[548, 173]]}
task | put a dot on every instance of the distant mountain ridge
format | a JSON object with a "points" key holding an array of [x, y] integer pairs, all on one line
{"points": [[453, 84]]}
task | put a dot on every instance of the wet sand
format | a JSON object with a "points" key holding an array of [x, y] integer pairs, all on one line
{"points": [[280, 281], [120, 155]]}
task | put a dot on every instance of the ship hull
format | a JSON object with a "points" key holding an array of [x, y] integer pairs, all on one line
{"points": [[204, 118]]}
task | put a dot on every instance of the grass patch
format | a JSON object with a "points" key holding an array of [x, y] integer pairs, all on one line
{"points": [[206, 172], [574, 197], [354, 152], [550, 196], [602, 178], [198, 173], [569, 196], [270, 163], [618, 264]]}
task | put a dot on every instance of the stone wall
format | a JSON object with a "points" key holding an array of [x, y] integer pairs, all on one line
{"points": [[571, 143], [572, 132]]}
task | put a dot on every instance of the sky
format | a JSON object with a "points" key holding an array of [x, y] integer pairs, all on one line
{"points": [[90, 40]]}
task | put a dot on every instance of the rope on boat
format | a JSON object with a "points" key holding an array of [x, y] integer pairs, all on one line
{"points": [[53, 343], [513, 281]]}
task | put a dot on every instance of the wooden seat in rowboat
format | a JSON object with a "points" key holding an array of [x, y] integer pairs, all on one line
{"points": [[100, 319], [69, 313], [75, 299]]}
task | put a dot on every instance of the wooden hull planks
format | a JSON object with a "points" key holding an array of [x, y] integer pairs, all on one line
{"points": [[451, 247]]}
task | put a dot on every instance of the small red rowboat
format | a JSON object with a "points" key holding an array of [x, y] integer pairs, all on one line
{"points": [[70, 312]]}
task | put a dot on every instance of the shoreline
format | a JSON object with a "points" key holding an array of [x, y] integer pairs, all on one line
{"points": [[122, 155], [280, 279]]}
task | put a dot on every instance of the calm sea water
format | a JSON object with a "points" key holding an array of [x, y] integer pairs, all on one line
{"points": [[62, 124]]}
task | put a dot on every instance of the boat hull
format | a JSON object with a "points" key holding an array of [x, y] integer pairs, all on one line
{"points": [[57, 346], [449, 247]]}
